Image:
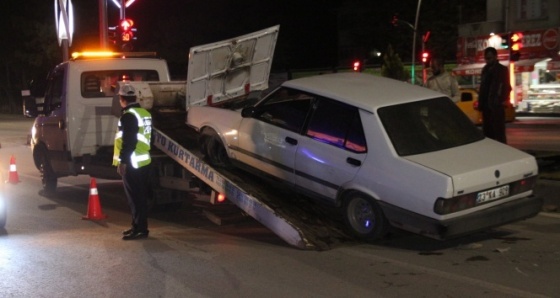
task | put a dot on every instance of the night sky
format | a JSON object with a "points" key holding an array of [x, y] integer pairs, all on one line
{"points": [[309, 29]]}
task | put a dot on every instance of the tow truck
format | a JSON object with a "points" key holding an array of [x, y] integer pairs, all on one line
{"points": [[74, 128]]}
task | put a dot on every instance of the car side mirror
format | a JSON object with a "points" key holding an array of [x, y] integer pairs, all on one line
{"points": [[30, 109], [248, 112]]}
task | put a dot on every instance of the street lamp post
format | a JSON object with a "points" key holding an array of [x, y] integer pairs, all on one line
{"points": [[395, 20]]}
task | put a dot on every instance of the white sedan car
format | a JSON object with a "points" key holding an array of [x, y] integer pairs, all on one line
{"points": [[386, 152]]}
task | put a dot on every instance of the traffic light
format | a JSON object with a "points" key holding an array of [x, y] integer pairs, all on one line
{"points": [[425, 58], [395, 20], [504, 38], [126, 31], [112, 36], [515, 45], [357, 66]]}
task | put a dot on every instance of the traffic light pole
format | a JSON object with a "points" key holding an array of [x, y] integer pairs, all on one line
{"points": [[123, 13], [103, 24], [413, 78]]}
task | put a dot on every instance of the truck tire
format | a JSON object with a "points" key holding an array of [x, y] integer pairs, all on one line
{"points": [[48, 177], [215, 150], [363, 217]]}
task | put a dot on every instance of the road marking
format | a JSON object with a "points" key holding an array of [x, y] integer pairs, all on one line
{"points": [[550, 214], [451, 276]]}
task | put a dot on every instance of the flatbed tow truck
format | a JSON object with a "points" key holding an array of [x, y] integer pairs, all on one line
{"points": [[219, 74]]}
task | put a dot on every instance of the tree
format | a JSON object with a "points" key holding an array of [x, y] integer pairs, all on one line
{"points": [[392, 66], [30, 49]]}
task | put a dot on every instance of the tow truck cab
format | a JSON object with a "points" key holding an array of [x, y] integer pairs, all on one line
{"points": [[74, 128]]}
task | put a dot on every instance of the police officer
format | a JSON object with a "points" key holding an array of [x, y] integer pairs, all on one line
{"points": [[132, 158]]}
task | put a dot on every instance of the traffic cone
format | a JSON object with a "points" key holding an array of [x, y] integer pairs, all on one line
{"points": [[13, 177], [94, 207]]}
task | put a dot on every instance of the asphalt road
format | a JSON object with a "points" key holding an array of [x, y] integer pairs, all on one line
{"points": [[47, 250]]}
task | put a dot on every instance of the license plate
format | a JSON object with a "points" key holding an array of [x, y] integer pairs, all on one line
{"points": [[492, 194]]}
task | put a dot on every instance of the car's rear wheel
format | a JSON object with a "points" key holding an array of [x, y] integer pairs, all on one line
{"points": [[48, 177], [215, 150], [363, 217]]}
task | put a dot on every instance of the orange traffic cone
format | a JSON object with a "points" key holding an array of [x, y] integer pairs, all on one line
{"points": [[94, 207], [13, 177]]}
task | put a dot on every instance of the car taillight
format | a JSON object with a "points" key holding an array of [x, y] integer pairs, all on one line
{"points": [[466, 201], [475, 104], [447, 206]]}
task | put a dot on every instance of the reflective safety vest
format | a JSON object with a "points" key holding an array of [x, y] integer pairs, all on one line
{"points": [[141, 155]]}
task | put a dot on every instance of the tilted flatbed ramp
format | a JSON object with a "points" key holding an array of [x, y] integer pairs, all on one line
{"points": [[290, 220]]}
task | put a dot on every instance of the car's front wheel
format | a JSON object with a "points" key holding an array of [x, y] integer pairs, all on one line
{"points": [[363, 217], [48, 177]]}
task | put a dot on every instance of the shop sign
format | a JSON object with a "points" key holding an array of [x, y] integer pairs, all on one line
{"points": [[550, 39], [536, 44]]}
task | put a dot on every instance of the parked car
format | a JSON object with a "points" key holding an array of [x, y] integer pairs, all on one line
{"points": [[386, 152], [469, 105]]}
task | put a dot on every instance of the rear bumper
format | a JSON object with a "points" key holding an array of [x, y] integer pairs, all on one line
{"points": [[492, 217]]}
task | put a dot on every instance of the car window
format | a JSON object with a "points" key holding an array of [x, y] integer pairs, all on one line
{"points": [[337, 124], [55, 85], [103, 83], [427, 126], [286, 108]]}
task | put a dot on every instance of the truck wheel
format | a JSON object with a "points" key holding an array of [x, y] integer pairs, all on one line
{"points": [[364, 218], [48, 178], [215, 151]]}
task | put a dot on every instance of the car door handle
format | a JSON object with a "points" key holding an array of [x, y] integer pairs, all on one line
{"points": [[353, 161], [291, 141]]}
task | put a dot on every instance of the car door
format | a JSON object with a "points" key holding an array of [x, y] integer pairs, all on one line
{"points": [[332, 150], [269, 139]]}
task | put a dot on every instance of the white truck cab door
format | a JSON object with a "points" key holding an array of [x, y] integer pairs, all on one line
{"points": [[52, 125]]}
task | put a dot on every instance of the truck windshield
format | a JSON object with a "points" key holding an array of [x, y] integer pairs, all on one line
{"points": [[102, 83], [427, 126]]}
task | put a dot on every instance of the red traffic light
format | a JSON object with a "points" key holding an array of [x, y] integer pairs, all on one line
{"points": [[357, 66], [515, 45], [516, 41], [425, 57]]}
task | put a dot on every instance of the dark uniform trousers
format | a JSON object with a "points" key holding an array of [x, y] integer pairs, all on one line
{"points": [[136, 186], [494, 124]]}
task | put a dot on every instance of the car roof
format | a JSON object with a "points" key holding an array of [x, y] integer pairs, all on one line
{"points": [[365, 91]]}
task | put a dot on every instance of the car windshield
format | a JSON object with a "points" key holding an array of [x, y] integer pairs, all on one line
{"points": [[427, 126]]}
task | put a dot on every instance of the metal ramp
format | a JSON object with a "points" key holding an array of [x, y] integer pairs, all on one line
{"points": [[290, 221]]}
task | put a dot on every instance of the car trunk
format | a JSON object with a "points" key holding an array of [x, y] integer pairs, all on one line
{"points": [[480, 165]]}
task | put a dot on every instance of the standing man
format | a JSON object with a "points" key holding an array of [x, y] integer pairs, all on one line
{"points": [[442, 81], [493, 95], [132, 158]]}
